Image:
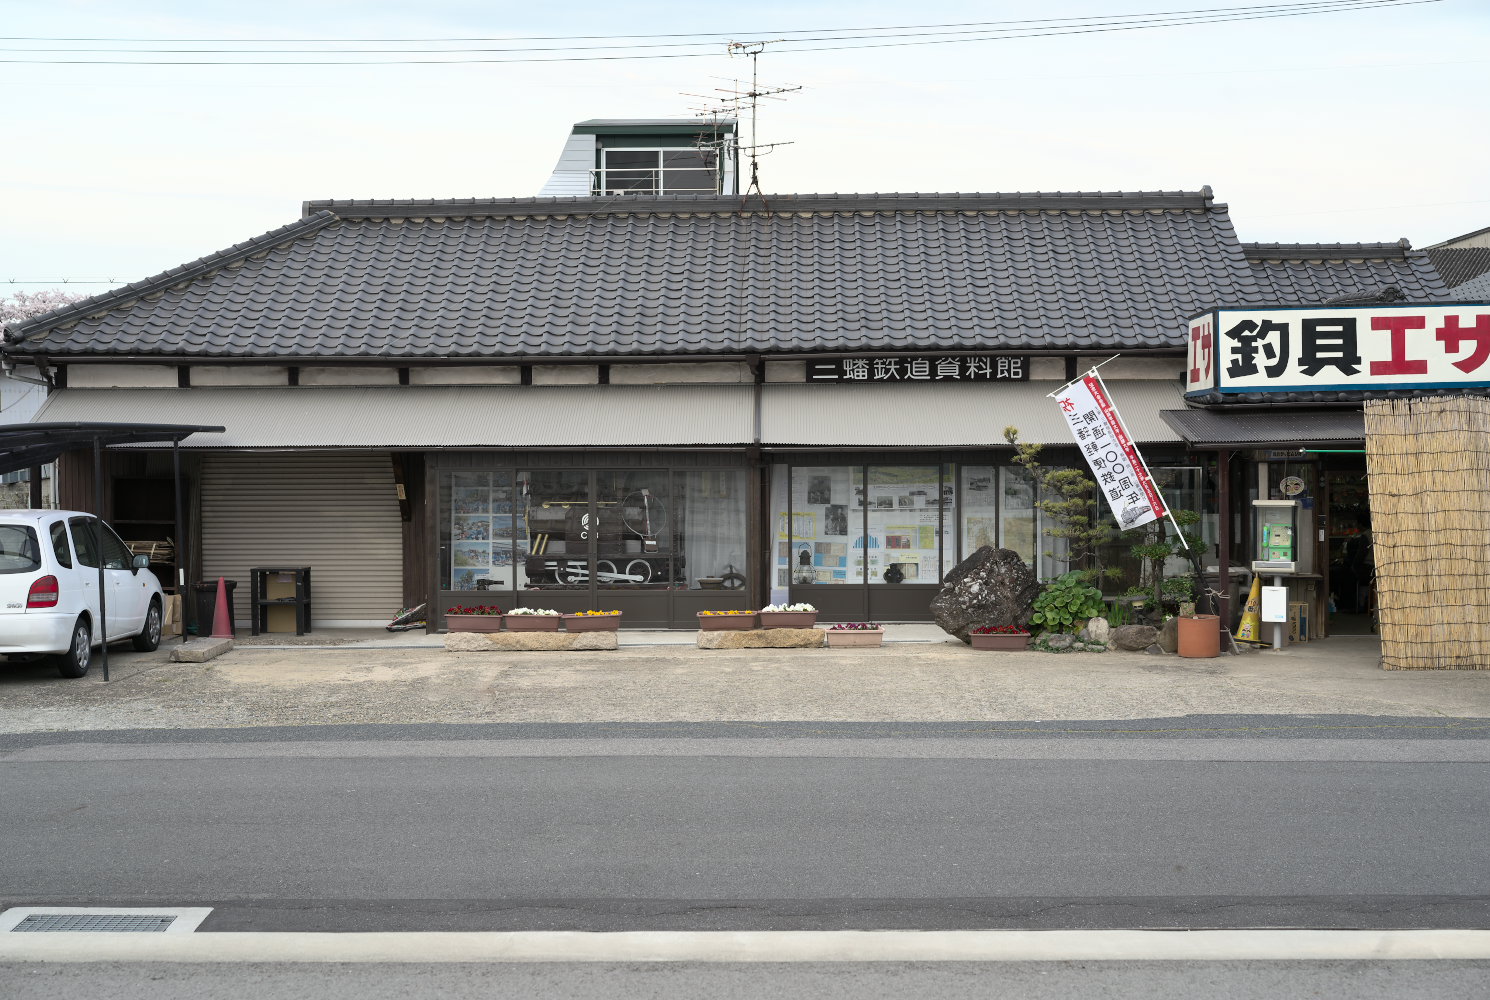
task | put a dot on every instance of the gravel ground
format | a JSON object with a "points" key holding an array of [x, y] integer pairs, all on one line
{"points": [[409, 679]]}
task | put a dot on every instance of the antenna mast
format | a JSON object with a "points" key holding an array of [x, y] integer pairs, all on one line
{"points": [[737, 100]]}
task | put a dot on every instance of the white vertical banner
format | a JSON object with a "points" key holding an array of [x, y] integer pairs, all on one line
{"points": [[1115, 463]]}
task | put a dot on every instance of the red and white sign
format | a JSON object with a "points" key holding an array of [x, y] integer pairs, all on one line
{"points": [[1339, 348], [1115, 463]]}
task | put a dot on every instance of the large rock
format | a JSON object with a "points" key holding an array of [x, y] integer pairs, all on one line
{"points": [[990, 587], [527, 642], [761, 638], [1133, 637]]}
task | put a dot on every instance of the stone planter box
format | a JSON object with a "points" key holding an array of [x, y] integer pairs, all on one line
{"points": [[591, 623], [473, 623], [851, 637], [718, 623], [1008, 641], [788, 619], [533, 623]]}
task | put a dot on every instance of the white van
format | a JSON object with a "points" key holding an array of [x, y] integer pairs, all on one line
{"points": [[49, 563]]}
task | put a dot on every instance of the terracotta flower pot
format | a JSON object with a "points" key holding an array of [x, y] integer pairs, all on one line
{"points": [[474, 623], [592, 623], [1001, 640], [788, 619], [851, 637], [718, 623], [533, 623], [1199, 636]]}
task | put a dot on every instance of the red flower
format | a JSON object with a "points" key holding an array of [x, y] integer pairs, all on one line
{"points": [[998, 630]]}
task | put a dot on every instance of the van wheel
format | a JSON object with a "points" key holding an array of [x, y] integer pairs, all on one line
{"points": [[149, 638], [74, 662]]}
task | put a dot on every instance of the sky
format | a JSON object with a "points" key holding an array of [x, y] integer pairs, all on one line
{"points": [[1364, 125]]}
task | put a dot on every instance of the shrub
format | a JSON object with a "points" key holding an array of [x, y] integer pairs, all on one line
{"points": [[1065, 601]]}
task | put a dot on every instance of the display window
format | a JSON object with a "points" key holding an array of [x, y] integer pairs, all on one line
{"points": [[584, 530]]}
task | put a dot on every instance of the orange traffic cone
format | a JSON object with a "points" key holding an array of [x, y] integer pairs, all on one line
{"points": [[222, 618]]}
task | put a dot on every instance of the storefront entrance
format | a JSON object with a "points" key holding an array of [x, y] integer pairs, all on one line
{"points": [[1351, 573]]}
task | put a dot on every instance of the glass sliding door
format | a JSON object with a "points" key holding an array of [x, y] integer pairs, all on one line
{"points": [[827, 525], [904, 535], [633, 532], [710, 525]]}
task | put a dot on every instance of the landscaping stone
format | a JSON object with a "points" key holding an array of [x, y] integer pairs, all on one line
{"points": [[1060, 640], [200, 650], [762, 638], [1097, 630], [1169, 636], [1133, 637], [529, 642], [990, 587]]}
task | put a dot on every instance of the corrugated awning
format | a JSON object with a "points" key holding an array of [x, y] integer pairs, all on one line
{"points": [[1266, 428], [948, 414], [416, 416]]}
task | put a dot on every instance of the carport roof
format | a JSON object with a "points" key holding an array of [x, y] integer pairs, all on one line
{"points": [[24, 446]]}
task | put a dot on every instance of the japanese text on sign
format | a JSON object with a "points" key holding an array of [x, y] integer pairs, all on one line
{"points": [[1116, 465], [1384, 347], [975, 368]]}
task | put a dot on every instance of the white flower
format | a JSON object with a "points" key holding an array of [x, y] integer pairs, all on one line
{"points": [[769, 608], [531, 611]]}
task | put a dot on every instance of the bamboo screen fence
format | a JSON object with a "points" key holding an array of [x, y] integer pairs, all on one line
{"points": [[1429, 465]]}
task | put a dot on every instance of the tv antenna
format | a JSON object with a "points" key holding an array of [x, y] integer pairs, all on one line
{"points": [[737, 100]]}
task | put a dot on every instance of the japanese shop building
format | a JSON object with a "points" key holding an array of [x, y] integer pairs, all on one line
{"points": [[659, 403]]}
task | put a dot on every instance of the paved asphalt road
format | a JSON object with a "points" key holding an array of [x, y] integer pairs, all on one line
{"points": [[1220, 822]]}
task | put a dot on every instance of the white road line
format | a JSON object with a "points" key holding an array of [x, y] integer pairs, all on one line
{"points": [[756, 946]]}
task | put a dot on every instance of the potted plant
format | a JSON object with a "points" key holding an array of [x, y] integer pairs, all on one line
{"points": [[856, 634], [593, 621], [715, 621], [1000, 637], [788, 616], [533, 620], [475, 618]]}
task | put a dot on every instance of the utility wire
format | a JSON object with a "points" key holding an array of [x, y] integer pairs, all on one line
{"points": [[1092, 18], [1081, 28]]}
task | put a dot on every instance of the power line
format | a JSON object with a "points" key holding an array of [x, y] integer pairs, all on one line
{"points": [[1003, 34], [1091, 18]]}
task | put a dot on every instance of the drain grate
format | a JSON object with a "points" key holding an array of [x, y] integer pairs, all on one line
{"points": [[95, 922], [104, 919]]}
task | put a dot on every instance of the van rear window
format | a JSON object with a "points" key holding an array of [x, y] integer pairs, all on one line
{"points": [[19, 552]]}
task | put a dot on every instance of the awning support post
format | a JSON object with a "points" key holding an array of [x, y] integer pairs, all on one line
{"points": [[102, 625]]}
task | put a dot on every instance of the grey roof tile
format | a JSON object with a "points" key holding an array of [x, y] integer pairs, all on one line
{"points": [[1310, 273], [1460, 265], [692, 274]]}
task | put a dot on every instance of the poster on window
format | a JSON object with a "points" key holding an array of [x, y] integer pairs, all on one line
{"points": [[1114, 460]]}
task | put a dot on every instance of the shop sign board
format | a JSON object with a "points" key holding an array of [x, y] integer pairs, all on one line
{"points": [[1116, 465], [926, 368], [1339, 348]]}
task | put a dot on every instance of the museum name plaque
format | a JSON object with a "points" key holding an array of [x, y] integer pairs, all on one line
{"points": [[928, 368]]}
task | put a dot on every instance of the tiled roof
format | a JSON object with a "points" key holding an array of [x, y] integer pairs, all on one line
{"points": [[638, 276], [1460, 264], [1310, 273]]}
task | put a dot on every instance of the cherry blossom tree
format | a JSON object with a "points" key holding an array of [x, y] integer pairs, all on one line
{"points": [[23, 305]]}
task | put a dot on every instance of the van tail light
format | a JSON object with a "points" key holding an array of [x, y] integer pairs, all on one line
{"points": [[43, 593]]}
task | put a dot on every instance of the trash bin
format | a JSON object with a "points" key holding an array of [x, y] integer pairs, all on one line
{"points": [[206, 606]]}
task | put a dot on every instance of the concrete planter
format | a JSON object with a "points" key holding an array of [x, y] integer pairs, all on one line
{"points": [[851, 637], [533, 623], [788, 619], [473, 623], [591, 623], [1014, 641], [719, 623]]}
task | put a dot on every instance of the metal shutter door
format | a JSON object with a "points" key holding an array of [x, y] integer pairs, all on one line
{"points": [[336, 513]]}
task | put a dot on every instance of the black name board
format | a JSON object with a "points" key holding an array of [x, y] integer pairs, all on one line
{"points": [[931, 368]]}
